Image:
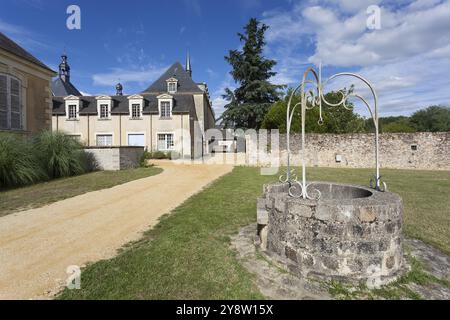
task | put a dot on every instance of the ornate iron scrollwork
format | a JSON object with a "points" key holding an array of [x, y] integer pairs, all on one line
{"points": [[312, 98]]}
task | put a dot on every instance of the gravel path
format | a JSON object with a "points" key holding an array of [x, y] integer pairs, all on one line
{"points": [[37, 246]]}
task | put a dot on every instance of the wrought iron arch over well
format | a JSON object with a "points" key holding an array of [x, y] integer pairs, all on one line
{"points": [[313, 98]]}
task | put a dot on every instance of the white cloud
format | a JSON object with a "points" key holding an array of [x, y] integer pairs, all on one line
{"points": [[443, 52], [142, 76], [352, 6], [407, 60], [422, 4], [211, 73], [218, 102], [26, 38]]}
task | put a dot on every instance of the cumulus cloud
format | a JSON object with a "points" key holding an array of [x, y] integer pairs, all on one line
{"points": [[218, 102], [407, 59], [141, 76]]}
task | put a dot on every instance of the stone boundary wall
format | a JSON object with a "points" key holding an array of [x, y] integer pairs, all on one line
{"points": [[423, 150], [116, 158]]}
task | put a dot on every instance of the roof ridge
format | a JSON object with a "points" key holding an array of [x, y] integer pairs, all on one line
{"points": [[13, 47]]}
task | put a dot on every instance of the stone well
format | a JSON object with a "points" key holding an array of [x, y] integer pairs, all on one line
{"points": [[352, 234]]}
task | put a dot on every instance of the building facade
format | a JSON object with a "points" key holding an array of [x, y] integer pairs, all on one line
{"points": [[25, 95], [171, 115]]}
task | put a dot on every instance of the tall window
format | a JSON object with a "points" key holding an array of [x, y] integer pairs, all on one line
{"points": [[165, 109], [104, 111], [72, 109], [165, 141], [136, 111], [10, 103], [104, 140], [172, 87]]}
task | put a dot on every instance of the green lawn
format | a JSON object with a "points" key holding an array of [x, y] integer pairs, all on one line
{"points": [[40, 194], [188, 256]]}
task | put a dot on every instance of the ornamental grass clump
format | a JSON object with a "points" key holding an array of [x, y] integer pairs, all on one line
{"points": [[18, 162], [60, 155]]}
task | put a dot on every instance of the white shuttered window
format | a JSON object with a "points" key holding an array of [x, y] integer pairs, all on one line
{"points": [[10, 103]]}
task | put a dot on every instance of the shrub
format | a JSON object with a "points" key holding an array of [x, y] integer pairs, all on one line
{"points": [[145, 156], [18, 163], [60, 155], [159, 155], [89, 162]]}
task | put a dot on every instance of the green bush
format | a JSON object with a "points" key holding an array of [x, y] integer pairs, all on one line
{"points": [[143, 161], [18, 162], [60, 155], [158, 155]]}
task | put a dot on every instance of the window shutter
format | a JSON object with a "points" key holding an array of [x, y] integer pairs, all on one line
{"points": [[3, 102], [16, 107]]}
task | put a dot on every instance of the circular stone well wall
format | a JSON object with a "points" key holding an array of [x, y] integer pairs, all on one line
{"points": [[352, 234]]}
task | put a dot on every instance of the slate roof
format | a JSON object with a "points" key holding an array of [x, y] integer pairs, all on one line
{"points": [[62, 88], [8, 45], [183, 103], [185, 82]]}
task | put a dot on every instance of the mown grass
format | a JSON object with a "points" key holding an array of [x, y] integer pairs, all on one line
{"points": [[188, 255], [397, 290], [41, 194]]}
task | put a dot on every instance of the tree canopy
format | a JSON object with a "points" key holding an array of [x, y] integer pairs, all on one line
{"points": [[250, 101], [433, 119], [341, 120]]}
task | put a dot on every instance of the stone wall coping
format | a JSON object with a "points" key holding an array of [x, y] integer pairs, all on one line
{"points": [[113, 147], [378, 198]]}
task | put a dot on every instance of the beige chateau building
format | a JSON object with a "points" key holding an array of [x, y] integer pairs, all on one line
{"points": [[25, 95], [172, 114]]}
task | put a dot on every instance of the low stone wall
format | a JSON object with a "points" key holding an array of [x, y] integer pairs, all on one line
{"points": [[116, 158], [423, 150]]}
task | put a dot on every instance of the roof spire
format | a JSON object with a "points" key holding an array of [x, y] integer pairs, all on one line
{"points": [[188, 64], [64, 68], [119, 89]]}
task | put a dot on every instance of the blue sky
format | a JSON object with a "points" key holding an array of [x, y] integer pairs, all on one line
{"points": [[408, 59]]}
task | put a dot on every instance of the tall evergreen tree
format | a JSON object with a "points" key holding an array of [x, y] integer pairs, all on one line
{"points": [[249, 103]]}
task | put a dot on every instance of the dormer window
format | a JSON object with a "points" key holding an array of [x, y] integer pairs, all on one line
{"points": [[172, 85], [72, 110], [165, 106], [72, 107], [135, 111], [104, 111], [136, 106], [165, 109], [104, 106]]}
